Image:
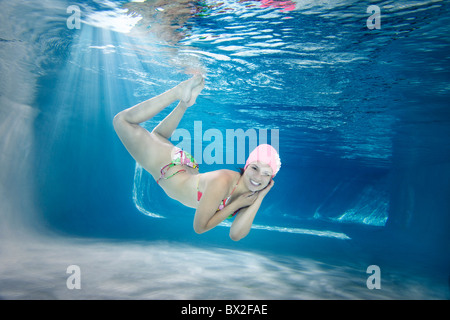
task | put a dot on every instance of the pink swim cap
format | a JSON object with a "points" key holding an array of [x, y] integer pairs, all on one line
{"points": [[267, 154]]}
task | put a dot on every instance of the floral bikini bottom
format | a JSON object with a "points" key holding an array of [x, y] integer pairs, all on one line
{"points": [[179, 158]]}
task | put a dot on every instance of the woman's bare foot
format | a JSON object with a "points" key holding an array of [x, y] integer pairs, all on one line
{"points": [[190, 89]]}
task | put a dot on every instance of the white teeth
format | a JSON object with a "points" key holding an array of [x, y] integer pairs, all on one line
{"points": [[254, 183]]}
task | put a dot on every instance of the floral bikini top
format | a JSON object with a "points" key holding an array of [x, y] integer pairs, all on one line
{"points": [[181, 158], [223, 203]]}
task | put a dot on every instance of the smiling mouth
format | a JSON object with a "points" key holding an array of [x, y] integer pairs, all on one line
{"points": [[254, 183]]}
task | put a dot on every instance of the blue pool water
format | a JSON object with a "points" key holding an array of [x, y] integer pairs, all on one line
{"points": [[360, 116]]}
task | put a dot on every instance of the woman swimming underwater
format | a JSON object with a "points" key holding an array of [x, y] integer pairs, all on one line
{"points": [[215, 195]]}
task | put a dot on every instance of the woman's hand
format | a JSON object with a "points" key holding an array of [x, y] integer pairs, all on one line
{"points": [[248, 198], [264, 191]]}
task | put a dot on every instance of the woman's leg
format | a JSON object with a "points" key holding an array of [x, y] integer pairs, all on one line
{"points": [[150, 150], [168, 125]]}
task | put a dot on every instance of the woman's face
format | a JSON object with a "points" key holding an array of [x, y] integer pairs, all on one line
{"points": [[257, 176]]}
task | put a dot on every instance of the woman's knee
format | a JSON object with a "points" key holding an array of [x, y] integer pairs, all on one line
{"points": [[119, 121], [126, 129]]}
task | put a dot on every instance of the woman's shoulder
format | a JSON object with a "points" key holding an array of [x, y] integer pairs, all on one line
{"points": [[220, 177]]}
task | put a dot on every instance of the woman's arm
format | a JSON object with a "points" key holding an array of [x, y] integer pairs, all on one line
{"points": [[221, 215], [206, 216], [243, 221]]}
